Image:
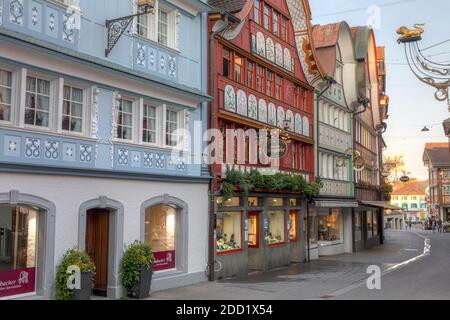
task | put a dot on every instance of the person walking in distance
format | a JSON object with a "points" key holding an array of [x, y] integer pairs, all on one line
{"points": [[439, 224]]}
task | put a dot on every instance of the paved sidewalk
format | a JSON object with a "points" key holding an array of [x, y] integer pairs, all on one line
{"points": [[321, 279]]}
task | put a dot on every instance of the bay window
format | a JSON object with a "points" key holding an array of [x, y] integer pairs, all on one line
{"points": [[72, 115], [37, 105], [5, 95], [125, 120]]}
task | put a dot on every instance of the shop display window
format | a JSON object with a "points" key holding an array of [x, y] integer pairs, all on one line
{"points": [[313, 225], [293, 231], [369, 224], [275, 202], [229, 232], [293, 202], [233, 202], [330, 225], [375, 224], [358, 227], [276, 231], [254, 202], [253, 228]]}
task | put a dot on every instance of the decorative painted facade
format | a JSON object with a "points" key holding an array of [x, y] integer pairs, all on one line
{"points": [[119, 125]]}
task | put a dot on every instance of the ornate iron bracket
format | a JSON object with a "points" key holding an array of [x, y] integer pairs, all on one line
{"points": [[117, 27]]}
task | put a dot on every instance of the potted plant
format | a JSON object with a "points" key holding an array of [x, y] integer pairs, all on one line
{"points": [[136, 270], [75, 258]]}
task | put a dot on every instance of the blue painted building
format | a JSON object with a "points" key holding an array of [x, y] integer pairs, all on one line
{"points": [[97, 147]]}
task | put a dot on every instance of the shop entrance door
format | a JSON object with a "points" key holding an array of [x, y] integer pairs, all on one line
{"points": [[97, 243], [255, 252]]}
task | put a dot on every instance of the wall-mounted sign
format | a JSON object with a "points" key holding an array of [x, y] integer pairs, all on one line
{"points": [[266, 223], [164, 260], [404, 179]]}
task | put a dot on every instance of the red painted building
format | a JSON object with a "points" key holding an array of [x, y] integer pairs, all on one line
{"points": [[257, 81]]}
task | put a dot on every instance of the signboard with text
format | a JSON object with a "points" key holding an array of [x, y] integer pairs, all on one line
{"points": [[164, 260], [16, 282]]}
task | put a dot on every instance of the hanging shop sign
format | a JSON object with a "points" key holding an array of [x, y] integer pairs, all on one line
{"points": [[16, 282], [404, 179]]}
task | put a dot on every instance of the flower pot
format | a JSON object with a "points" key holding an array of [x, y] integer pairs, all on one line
{"points": [[85, 292], [142, 287]]}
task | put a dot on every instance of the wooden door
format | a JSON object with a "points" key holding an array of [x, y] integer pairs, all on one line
{"points": [[97, 243]]}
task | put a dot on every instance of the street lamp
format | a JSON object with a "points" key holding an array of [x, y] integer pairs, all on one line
{"points": [[116, 27], [434, 74]]}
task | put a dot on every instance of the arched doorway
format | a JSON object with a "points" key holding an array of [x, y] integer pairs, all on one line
{"points": [[164, 227], [27, 239]]}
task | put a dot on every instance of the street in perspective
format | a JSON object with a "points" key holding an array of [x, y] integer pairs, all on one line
{"points": [[211, 150]]}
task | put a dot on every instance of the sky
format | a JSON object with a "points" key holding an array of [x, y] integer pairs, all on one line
{"points": [[412, 104]]}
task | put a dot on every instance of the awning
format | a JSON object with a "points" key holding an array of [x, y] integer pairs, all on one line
{"points": [[379, 204], [336, 203]]}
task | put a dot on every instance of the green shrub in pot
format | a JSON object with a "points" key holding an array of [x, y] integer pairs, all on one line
{"points": [[79, 258], [136, 270]]}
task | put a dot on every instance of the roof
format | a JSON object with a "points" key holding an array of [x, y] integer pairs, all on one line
{"points": [[230, 6], [438, 154], [410, 188], [326, 35]]}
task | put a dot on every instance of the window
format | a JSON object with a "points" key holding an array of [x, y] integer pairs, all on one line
{"points": [[125, 120], [160, 233], [275, 202], [233, 202], [358, 226], [5, 95], [226, 70], [171, 127], [253, 230], [278, 87], [250, 74], [284, 28], [270, 83], [297, 97], [375, 224], [330, 225], [304, 103], [275, 22], [267, 17], [257, 12], [144, 24], [369, 224], [302, 157], [293, 230], [163, 32], [238, 68], [149, 124], [229, 232], [260, 79], [37, 104], [276, 231], [72, 119], [18, 247]]}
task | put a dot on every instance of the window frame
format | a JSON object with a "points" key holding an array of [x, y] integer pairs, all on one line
{"points": [[261, 76], [13, 102], [179, 126], [250, 74], [133, 120], [85, 121], [158, 122]]}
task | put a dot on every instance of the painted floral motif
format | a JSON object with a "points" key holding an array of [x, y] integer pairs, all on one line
{"points": [[262, 107], [151, 57], [34, 16], [272, 118], [160, 161], [270, 50], [52, 22], [140, 55], [230, 99], [69, 27], [16, 12], [260, 44], [148, 159], [252, 107], [281, 117], [123, 156], [172, 66], [290, 118], [12, 146], [242, 103], [85, 153], [298, 124], [51, 150], [32, 148], [279, 54]]}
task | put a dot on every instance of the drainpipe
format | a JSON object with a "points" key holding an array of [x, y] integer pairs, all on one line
{"points": [[329, 82], [219, 27]]}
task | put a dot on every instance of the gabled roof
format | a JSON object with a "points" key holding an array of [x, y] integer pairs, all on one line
{"points": [[410, 188], [230, 6], [438, 154]]}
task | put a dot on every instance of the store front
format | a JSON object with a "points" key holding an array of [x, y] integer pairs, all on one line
{"points": [[19, 227], [368, 228], [330, 224], [257, 233]]}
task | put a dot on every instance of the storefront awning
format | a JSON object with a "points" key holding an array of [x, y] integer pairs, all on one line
{"points": [[336, 204], [379, 204]]}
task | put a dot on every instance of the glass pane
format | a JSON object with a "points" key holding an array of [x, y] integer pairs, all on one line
{"points": [[293, 229], [160, 225], [5, 112], [66, 123], [5, 95], [77, 125], [276, 227], [229, 232], [30, 116], [66, 107], [43, 103], [31, 84], [43, 87], [42, 119], [77, 110], [77, 95], [253, 234], [66, 93], [330, 225], [5, 78], [127, 120], [275, 202]]}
